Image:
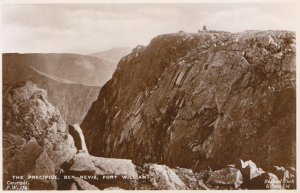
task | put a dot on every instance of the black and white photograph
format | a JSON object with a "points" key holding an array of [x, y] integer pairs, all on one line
{"points": [[123, 95]]}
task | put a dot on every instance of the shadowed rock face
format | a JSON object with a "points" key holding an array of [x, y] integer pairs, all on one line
{"points": [[192, 100]]}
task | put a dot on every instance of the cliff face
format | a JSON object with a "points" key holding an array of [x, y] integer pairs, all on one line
{"points": [[193, 100], [72, 99], [40, 150], [46, 155]]}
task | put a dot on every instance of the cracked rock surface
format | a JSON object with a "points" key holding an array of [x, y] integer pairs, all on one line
{"points": [[193, 100], [35, 137], [179, 113]]}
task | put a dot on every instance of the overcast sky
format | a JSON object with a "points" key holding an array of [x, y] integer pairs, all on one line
{"points": [[93, 28]]}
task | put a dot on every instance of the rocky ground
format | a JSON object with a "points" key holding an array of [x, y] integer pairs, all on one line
{"points": [[37, 142]]}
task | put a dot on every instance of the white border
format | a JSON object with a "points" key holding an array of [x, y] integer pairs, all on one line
{"points": [[162, 2]]}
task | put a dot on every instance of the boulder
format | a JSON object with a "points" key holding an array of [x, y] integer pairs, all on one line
{"points": [[164, 178], [288, 180], [90, 165], [280, 172], [202, 185], [292, 170], [65, 153], [25, 158], [22, 160], [292, 180], [249, 170], [227, 177], [76, 132], [115, 166], [193, 181], [109, 171], [43, 167], [265, 181], [82, 164], [73, 186], [84, 185]]}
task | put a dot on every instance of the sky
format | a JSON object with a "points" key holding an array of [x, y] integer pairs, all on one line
{"points": [[89, 28]]}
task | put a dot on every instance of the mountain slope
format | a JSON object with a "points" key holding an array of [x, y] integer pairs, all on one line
{"points": [[193, 100], [72, 99], [82, 69]]}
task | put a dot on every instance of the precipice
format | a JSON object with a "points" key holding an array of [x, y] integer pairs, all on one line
{"points": [[192, 100]]}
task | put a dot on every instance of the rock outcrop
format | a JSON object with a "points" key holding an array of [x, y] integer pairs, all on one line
{"points": [[35, 137], [226, 177], [193, 100], [79, 140], [164, 178], [249, 170]]}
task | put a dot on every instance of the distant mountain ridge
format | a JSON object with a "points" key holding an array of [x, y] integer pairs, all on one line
{"points": [[113, 55], [61, 80], [82, 69], [72, 98]]}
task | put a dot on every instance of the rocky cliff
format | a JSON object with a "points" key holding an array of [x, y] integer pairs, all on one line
{"points": [[35, 137], [41, 153], [193, 100], [71, 98]]}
